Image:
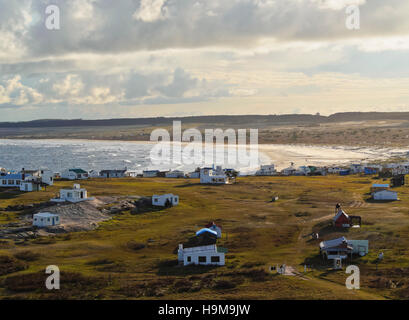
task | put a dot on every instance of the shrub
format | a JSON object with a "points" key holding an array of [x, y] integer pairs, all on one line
{"points": [[133, 245], [224, 284], [10, 265], [27, 255]]}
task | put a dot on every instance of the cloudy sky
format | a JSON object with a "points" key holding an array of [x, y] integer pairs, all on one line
{"points": [[140, 58]]}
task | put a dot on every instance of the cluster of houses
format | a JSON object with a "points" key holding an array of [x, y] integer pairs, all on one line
{"points": [[202, 249], [26, 180]]}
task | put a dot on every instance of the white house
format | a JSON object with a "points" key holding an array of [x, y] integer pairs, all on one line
{"points": [[74, 174], [76, 194], [131, 173], [30, 185], [150, 173], [215, 176], [289, 171], [356, 168], [45, 219], [340, 248], [385, 195], [202, 255], [175, 174], [266, 170], [165, 200], [11, 180]]}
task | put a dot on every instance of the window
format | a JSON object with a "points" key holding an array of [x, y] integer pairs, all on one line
{"points": [[11, 182], [202, 260], [4, 182], [189, 259], [156, 199], [48, 219], [17, 182], [176, 199], [215, 259]]}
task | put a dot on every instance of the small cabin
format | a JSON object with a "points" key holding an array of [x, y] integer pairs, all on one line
{"points": [[76, 194], [165, 200], [45, 219]]}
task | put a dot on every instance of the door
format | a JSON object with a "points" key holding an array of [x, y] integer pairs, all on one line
{"points": [[53, 221]]}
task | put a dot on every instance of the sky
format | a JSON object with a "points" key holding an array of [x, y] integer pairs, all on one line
{"points": [[144, 58]]}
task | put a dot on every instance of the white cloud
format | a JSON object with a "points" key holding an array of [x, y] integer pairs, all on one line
{"points": [[151, 10]]}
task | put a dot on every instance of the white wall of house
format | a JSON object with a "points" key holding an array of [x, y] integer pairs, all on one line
{"points": [[385, 195], [10, 181], [47, 177], [77, 194], [208, 175], [46, 219], [160, 200], [266, 170], [203, 255], [29, 186]]}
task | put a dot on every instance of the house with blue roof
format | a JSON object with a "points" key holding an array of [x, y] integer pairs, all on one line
{"points": [[11, 180]]}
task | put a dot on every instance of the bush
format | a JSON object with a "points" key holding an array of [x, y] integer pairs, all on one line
{"points": [[27, 255], [224, 284], [133, 245], [10, 265]]}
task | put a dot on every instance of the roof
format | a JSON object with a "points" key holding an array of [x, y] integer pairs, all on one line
{"points": [[204, 239], [77, 170], [333, 243], [377, 185], [15, 176], [116, 171], [340, 213], [46, 215], [201, 231]]}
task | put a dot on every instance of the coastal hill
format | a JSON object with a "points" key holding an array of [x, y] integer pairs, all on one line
{"points": [[381, 129], [225, 119]]}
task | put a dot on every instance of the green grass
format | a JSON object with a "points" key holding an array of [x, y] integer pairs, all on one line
{"points": [[256, 232]]}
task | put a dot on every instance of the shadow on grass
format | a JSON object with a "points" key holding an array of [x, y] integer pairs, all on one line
{"points": [[172, 268], [9, 193]]}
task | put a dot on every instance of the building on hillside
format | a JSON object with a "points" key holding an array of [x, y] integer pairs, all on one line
{"points": [[11, 180], [150, 173], [289, 171], [202, 250], [385, 195], [74, 174], [131, 173], [216, 176], [45, 219], [112, 173], [165, 200], [266, 170], [74, 195], [341, 248], [356, 168], [30, 185], [202, 255], [175, 174], [343, 220]]}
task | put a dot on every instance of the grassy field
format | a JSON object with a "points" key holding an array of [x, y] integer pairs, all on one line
{"points": [[134, 256]]}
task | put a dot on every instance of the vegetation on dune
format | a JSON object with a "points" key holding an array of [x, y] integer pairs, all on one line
{"points": [[132, 256]]}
